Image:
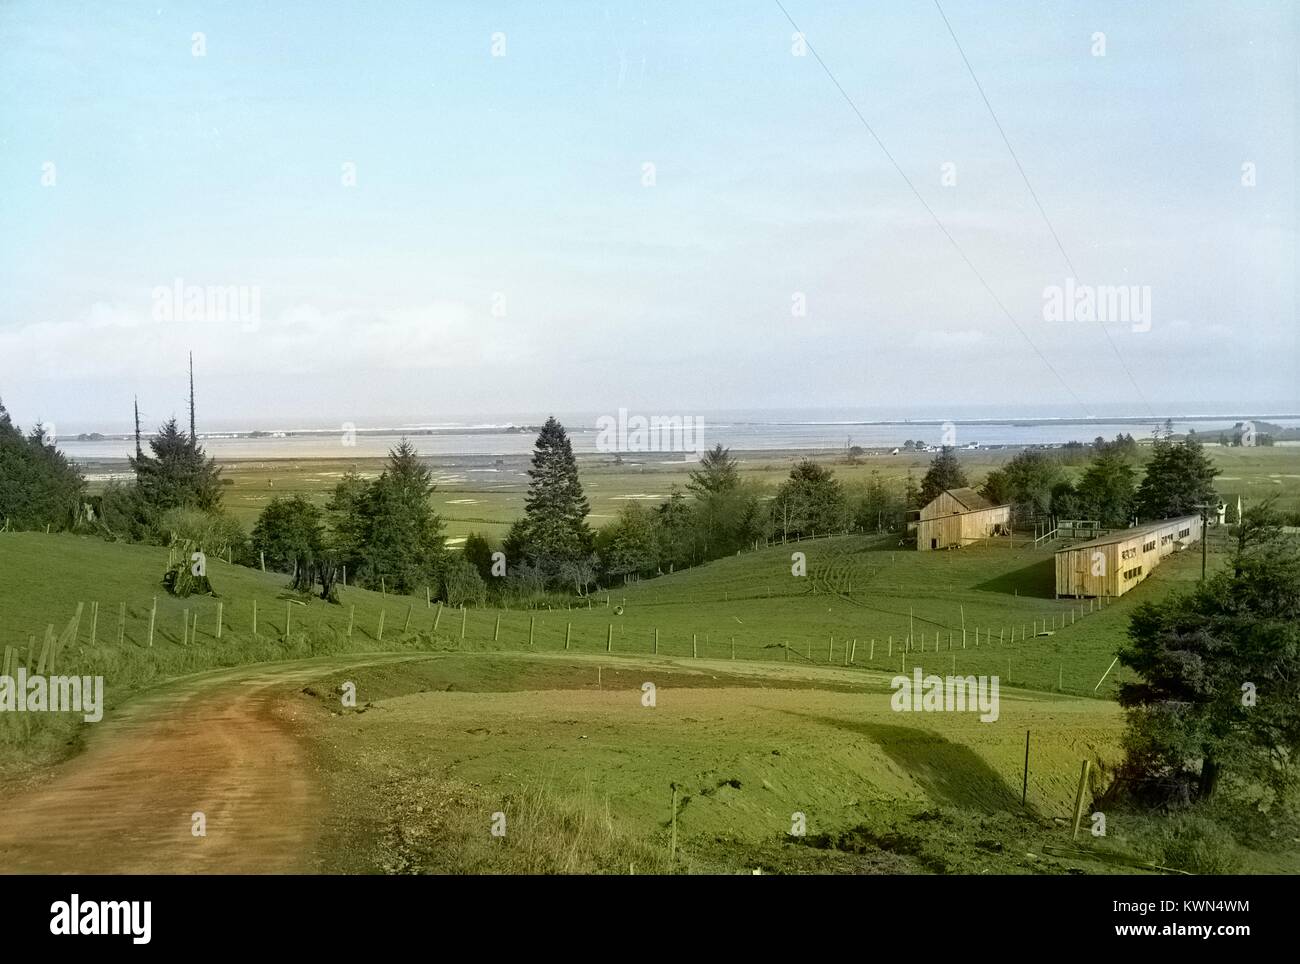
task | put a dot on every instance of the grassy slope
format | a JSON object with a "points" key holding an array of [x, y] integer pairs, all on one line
{"points": [[747, 747], [861, 772]]}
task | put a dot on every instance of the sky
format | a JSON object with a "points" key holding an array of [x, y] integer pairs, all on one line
{"points": [[452, 209]]}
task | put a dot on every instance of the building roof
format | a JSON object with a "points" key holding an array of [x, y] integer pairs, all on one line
{"points": [[970, 499], [1125, 535]]}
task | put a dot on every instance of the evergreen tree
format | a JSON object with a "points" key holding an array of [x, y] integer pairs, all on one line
{"points": [[479, 555], [289, 533], [945, 472], [38, 485], [1107, 489], [718, 472], [1179, 478], [1218, 675], [810, 501], [555, 530], [403, 538], [178, 473]]}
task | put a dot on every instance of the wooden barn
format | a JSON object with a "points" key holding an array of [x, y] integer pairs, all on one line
{"points": [[1112, 565], [960, 516]]}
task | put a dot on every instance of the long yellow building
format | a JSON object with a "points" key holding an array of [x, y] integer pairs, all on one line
{"points": [[1112, 565]]}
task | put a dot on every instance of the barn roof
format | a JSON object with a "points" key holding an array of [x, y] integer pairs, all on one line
{"points": [[969, 498], [1126, 535]]}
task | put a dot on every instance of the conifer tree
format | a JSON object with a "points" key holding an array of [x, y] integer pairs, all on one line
{"points": [[554, 531]]}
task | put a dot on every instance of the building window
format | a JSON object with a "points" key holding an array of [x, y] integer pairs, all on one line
{"points": [[1148, 546], [1133, 573], [1184, 533]]}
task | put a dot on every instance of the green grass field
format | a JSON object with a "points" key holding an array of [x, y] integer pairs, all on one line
{"points": [[537, 714]]}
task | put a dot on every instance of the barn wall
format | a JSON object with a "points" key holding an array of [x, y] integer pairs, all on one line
{"points": [[956, 530]]}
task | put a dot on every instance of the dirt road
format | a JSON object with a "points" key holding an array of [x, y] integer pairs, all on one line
{"points": [[220, 744]]}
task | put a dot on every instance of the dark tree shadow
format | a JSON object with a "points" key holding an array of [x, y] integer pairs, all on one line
{"points": [[1035, 581], [948, 772]]}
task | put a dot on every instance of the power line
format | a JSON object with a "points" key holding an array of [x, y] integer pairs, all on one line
{"points": [[934, 217], [1039, 204]]}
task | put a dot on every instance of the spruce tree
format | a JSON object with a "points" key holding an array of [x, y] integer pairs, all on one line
{"points": [[1179, 478], [944, 473], [718, 472], [555, 530]]}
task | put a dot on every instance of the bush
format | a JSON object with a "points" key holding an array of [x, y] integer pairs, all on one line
{"points": [[461, 583], [213, 532], [1196, 844]]}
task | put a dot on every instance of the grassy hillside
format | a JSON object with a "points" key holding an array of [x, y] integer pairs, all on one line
{"points": [[856, 589]]}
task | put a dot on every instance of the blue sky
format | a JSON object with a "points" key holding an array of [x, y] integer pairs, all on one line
{"points": [[517, 181]]}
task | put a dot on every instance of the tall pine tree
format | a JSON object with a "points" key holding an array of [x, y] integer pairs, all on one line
{"points": [[554, 531]]}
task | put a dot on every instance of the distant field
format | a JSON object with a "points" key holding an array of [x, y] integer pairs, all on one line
{"points": [[475, 494]]}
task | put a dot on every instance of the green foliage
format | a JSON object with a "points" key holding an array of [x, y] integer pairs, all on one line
{"points": [[462, 585], [718, 473], [945, 472], [214, 533], [811, 500], [289, 533], [386, 532], [402, 540], [1107, 489], [1194, 843], [479, 554], [1027, 482], [38, 485], [176, 474], [181, 578], [878, 505], [1179, 477], [554, 535], [630, 545], [1219, 673]]}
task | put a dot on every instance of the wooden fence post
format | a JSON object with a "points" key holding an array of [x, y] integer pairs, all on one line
{"points": [[1078, 797], [656, 640], [609, 636], [94, 621], [463, 617], [254, 618], [496, 630], [153, 616], [380, 636], [352, 615], [568, 629], [221, 606], [121, 623], [695, 652], [185, 627], [288, 620], [436, 617]]}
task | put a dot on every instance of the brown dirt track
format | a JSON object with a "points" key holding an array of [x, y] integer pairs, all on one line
{"points": [[221, 744]]}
